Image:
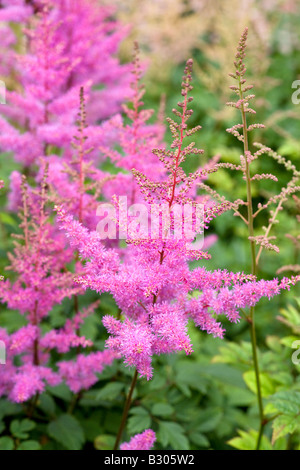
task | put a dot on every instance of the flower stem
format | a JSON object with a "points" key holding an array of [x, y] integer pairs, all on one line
{"points": [[126, 410], [253, 270]]}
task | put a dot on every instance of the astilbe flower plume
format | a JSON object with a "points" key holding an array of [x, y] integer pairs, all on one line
{"points": [[265, 241], [153, 286], [60, 58], [143, 441], [42, 281], [75, 180], [136, 139], [295, 240]]}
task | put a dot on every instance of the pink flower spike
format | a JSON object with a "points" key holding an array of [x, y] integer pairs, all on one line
{"points": [[143, 441]]}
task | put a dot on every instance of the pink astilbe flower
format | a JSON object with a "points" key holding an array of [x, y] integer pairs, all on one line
{"points": [[93, 48], [30, 380], [143, 441], [133, 341], [60, 59], [23, 339], [15, 11], [76, 181], [153, 286], [136, 140], [81, 373], [62, 341], [43, 282], [40, 284], [39, 263]]}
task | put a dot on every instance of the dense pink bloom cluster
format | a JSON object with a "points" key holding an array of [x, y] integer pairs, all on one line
{"points": [[46, 133], [153, 286], [143, 441], [60, 59], [80, 374], [42, 282], [161, 327]]}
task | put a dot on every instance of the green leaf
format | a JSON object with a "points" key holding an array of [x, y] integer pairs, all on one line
{"points": [[20, 429], [162, 409], [2, 426], [232, 353], [283, 425], [104, 442], [92, 427], [47, 404], [209, 420], [90, 327], [140, 420], [6, 443], [110, 391], [173, 434], [112, 422], [60, 391], [283, 378], [273, 342], [239, 396], [7, 219], [224, 373], [189, 375], [7, 408], [158, 382], [12, 320], [67, 431], [29, 445], [289, 340], [287, 402], [266, 383], [248, 441], [199, 439]]}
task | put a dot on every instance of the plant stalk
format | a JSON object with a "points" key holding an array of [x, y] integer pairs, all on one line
{"points": [[253, 271], [125, 411]]}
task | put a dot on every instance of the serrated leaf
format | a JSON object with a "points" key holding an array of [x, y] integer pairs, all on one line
{"points": [[20, 429], [209, 420], [162, 409], [248, 441], [140, 421], [67, 431], [224, 373], [189, 375], [199, 439], [287, 402], [270, 409], [266, 383], [172, 434], [283, 378], [284, 424], [110, 391]]}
